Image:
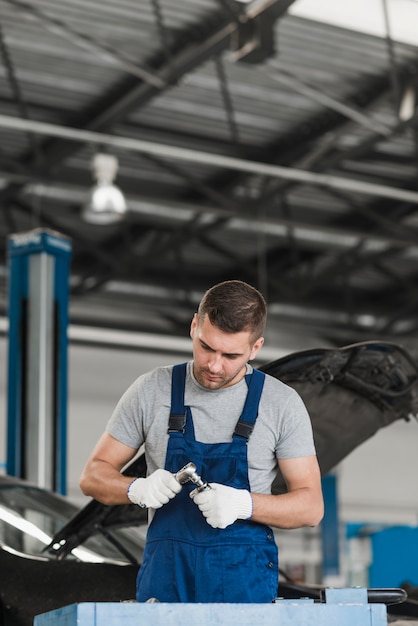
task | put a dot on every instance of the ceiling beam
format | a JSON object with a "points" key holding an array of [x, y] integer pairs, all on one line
{"points": [[332, 236], [217, 160]]}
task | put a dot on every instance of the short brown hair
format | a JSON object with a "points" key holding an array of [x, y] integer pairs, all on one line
{"points": [[234, 306]]}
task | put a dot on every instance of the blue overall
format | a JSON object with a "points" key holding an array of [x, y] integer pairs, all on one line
{"points": [[185, 559]]}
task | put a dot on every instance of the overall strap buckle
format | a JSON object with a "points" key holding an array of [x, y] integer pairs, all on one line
{"points": [[177, 423], [243, 429]]}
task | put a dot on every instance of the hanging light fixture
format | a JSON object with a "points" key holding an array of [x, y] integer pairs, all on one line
{"points": [[408, 103], [107, 203]]}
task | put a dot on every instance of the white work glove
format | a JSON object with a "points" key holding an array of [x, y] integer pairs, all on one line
{"points": [[222, 505], [155, 490]]}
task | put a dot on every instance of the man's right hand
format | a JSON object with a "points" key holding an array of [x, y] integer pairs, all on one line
{"points": [[155, 490]]}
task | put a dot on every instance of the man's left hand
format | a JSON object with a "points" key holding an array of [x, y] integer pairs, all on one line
{"points": [[222, 505]]}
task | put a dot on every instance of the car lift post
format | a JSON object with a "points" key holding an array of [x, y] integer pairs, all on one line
{"points": [[330, 533], [37, 357]]}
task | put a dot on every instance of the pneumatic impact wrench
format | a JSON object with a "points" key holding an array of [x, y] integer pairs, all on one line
{"points": [[188, 473]]}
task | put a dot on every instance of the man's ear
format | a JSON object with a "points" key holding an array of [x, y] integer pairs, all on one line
{"points": [[193, 325], [256, 347]]}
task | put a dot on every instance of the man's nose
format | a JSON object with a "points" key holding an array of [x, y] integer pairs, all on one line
{"points": [[215, 362]]}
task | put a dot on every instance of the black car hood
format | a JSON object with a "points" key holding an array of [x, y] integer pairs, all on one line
{"points": [[97, 518], [350, 393]]}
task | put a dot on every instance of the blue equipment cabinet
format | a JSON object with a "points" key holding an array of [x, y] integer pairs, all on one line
{"points": [[37, 361]]}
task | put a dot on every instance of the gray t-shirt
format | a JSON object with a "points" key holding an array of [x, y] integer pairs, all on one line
{"points": [[283, 428]]}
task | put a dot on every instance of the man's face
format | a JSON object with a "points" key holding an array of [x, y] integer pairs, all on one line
{"points": [[220, 358]]}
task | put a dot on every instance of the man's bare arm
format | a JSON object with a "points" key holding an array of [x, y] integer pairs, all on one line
{"points": [[101, 478], [303, 503]]}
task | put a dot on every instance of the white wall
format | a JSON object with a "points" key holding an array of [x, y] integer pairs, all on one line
{"points": [[97, 379], [377, 482]]}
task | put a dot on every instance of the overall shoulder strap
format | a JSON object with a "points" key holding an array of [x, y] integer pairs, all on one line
{"points": [[246, 422], [178, 414]]}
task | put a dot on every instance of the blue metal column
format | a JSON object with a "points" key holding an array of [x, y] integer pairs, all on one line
{"points": [[330, 532], [37, 362]]}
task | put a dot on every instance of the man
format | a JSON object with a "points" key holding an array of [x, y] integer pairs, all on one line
{"points": [[236, 424]]}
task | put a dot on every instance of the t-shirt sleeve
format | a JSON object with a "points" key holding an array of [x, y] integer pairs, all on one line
{"points": [[125, 423], [296, 435]]}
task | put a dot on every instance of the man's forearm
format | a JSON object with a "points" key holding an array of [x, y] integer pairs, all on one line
{"points": [[105, 483], [295, 509]]}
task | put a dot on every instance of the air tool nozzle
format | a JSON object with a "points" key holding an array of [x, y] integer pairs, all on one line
{"points": [[188, 473]]}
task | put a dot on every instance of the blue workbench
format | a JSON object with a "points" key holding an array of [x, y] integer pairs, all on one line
{"points": [[343, 607]]}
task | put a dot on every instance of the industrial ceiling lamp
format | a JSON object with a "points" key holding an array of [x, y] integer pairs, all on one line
{"points": [[408, 103], [107, 203]]}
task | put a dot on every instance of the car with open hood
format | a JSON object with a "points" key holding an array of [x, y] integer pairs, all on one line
{"points": [[53, 554]]}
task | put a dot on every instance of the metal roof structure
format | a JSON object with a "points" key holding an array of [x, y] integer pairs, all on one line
{"points": [[252, 143]]}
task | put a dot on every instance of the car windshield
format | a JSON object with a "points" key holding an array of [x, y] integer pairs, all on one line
{"points": [[30, 517]]}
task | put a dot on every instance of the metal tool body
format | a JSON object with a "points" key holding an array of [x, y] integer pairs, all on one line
{"points": [[188, 473]]}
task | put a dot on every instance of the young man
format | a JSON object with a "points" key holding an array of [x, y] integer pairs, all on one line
{"points": [[236, 425]]}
